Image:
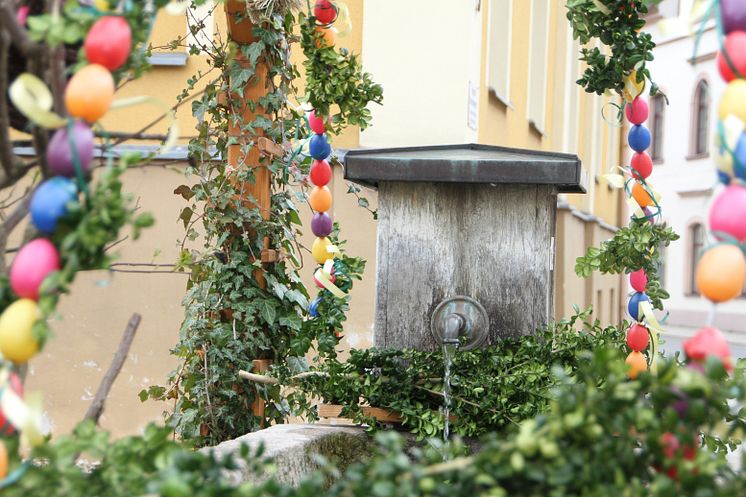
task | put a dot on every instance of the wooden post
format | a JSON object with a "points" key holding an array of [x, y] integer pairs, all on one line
{"points": [[240, 31]]}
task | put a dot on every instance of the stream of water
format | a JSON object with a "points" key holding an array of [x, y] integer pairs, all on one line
{"points": [[449, 350]]}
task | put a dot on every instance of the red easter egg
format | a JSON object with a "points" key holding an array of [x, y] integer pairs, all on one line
{"points": [[15, 384], [637, 111], [109, 42], [638, 280], [316, 123], [321, 173], [709, 342], [318, 283], [735, 47], [325, 12], [642, 165], [728, 214], [638, 337]]}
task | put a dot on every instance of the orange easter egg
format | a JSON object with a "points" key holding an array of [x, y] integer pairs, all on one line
{"points": [[637, 364], [320, 199], [642, 197], [325, 37], [89, 93], [721, 273]]}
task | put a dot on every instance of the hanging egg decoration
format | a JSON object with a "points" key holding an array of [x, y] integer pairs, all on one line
{"points": [[724, 223], [320, 199], [320, 250], [60, 154], [109, 42], [642, 165], [89, 93], [49, 202], [321, 173], [733, 101], [319, 147], [721, 273], [321, 224], [634, 305], [638, 337], [17, 342], [325, 12], [35, 261], [733, 14], [709, 342], [638, 280], [733, 56], [636, 363], [639, 138]]}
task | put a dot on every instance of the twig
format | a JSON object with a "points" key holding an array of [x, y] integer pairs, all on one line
{"points": [[6, 145], [17, 34], [97, 406]]}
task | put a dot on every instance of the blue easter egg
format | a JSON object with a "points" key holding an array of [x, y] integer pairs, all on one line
{"points": [[313, 309], [639, 138], [739, 158], [49, 202], [634, 304], [319, 147]]}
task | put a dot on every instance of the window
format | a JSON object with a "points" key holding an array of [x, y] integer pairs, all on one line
{"points": [[667, 8], [498, 61], [660, 269], [697, 247], [701, 120], [537, 64], [658, 108]]}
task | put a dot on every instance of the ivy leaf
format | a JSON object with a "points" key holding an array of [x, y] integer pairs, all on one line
{"points": [[185, 192], [267, 311]]}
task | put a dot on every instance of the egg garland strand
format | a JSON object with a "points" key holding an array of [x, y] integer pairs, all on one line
{"points": [[88, 97]]}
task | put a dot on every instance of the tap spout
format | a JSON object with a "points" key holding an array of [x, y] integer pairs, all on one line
{"points": [[454, 328]]}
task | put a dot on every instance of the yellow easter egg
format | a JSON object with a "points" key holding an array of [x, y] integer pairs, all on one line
{"points": [[17, 342], [320, 250], [733, 101], [102, 5]]}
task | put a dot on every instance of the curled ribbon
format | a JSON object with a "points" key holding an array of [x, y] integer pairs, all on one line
{"points": [[25, 415], [33, 99], [324, 276], [632, 87], [343, 23]]}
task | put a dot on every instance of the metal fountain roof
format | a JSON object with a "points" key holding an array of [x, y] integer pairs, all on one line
{"points": [[469, 163]]}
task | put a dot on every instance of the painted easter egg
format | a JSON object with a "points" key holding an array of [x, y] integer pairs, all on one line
{"points": [[3, 460], [325, 36], [724, 178], [313, 308], [325, 11], [6, 428], [707, 342], [728, 213], [35, 261], [59, 153], [321, 173], [638, 280], [639, 138], [633, 307], [735, 48], [636, 364], [89, 93], [320, 199], [733, 100], [109, 42], [49, 202], [319, 147], [733, 14], [17, 342], [721, 273], [316, 122], [638, 337], [641, 196], [739, 154], [320, 250], [321, 224], [637, 111], [642, 165]]}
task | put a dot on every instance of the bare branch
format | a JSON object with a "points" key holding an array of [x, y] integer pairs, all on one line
{"points": [[6, 145], [17, 34], [96, 408]]}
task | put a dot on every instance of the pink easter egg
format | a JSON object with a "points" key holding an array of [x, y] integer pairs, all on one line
{"points": [[637, 111], [34, 262], [316, 123], [638, 280], [728, 213]]}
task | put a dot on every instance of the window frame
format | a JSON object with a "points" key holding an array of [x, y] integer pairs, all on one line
{"points": [[496, 76], [701, 111], [657, 127], [695, 250]]}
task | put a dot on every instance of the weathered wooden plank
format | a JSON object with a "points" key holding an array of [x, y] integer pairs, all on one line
{"points": [[438, 240]]}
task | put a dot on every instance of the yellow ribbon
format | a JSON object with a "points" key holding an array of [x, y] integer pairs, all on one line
{"points": [[173, 124], [33, 99], [646, 309], [343, 24], [632, 87], [26, 415], [324, 276]]}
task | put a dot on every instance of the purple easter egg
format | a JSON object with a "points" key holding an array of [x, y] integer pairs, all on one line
{"points": [[321, 224], [681, 405], [59, 156], [733, 13]]}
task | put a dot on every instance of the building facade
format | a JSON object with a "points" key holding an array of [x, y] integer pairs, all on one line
{"points": [[498, 72], [685, 173]]}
